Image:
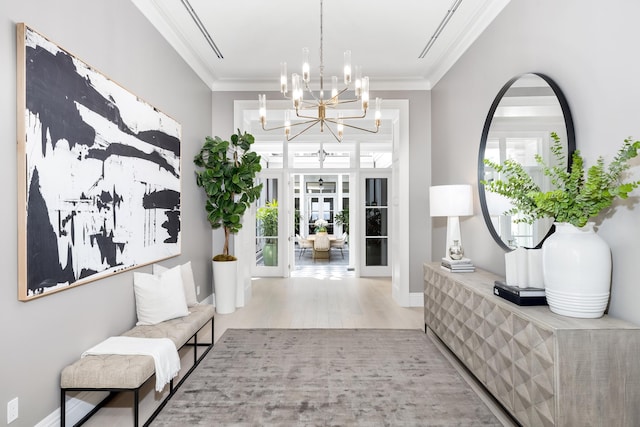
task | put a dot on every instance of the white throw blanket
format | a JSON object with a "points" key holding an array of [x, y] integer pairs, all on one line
{"points": [[163, 350]]}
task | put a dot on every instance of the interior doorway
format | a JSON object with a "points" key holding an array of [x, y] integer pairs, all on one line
{"points": [[321, 203], [352, 209], [357, 155]]}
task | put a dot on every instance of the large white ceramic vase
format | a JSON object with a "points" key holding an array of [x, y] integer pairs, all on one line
{"points": [[576, 265], [225, 276]]}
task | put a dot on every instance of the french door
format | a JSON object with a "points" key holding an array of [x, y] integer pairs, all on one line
{"points": [[268, 222], [321, 207], [375, 225]]}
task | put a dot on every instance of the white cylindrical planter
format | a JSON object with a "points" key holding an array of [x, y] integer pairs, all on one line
{"points": [[576, 265], [225, 277]]}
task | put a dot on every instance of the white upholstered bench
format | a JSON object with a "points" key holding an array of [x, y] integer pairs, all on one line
{"points": [[116, 373]]}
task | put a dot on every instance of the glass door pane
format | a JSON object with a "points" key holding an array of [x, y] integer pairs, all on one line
{"points": [[376, 220], [267, 216], [314, 214], [328, 212], [321, 208]]}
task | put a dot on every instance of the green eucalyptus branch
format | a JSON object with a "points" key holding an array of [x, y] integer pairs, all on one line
{"points": [[576, 197]]}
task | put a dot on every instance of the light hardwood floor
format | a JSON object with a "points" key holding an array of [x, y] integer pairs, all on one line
{"points": [[321, 301]]}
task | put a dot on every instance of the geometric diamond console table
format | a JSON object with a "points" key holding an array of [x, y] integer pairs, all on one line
{"points": [[545, 369]]}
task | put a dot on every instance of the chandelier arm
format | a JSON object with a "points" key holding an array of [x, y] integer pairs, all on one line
{"points": [[291, 125], [306, 117], [352, 126], [333, 119], [315, 122], [364, 115], [306, 105], [347, 101], [333, 133], [335, 99]]}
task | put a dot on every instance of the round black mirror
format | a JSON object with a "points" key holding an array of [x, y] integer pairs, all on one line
{"points": [[519, 124]]}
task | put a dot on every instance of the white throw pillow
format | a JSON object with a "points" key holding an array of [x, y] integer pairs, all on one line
{"points": [[188, 281], [159, 298]]}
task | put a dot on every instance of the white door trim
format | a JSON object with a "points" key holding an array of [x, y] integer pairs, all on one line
{"points": [[397, 110]]}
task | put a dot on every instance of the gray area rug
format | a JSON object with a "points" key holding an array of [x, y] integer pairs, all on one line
{"points": [[325, 377]]}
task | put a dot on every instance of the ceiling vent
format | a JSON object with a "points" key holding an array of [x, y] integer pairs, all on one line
{"points": [[445, 21], [202, 28]]}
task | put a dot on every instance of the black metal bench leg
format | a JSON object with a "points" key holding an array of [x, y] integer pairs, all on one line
{"points": [[63, 401], [136, 409], [195, 348]]}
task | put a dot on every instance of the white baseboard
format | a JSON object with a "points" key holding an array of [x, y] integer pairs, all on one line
{"points": [[209, 300], [416, 299], [77, 407]]}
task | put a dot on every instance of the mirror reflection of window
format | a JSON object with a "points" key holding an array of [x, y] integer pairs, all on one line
{"points": [[519, 128], [522, 149]]}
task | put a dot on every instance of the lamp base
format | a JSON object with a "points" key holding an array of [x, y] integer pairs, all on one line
{"points": [[456, 251], [453, 236]]}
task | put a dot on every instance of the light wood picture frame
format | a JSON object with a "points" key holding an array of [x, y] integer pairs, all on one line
{"points": [[99, 173]]}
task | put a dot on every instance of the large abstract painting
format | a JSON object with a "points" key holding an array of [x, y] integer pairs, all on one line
{"points": [[99, 173]]}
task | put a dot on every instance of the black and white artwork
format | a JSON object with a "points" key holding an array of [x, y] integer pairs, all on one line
{"points": [[100, 172]]}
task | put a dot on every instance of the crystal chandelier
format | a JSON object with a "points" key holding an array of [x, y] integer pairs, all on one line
{"points": [[326, 113]]}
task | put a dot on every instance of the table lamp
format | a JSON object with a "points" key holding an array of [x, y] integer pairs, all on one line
{"points": [[452, 201]]}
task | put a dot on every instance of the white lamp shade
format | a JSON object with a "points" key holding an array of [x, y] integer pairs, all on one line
{"points": [[451, 200]]}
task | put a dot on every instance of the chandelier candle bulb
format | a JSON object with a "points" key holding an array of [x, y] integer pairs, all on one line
{"points": [[334, 89], [297, 90], [283, 78], [378, 116], [365, 93], [340, 126], [347, 67], [358, 84], [305, 65], [287, 123], [262, 106]]}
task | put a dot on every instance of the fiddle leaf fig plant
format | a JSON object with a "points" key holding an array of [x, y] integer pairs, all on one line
{"points": [[227, 176], [577, 197]]}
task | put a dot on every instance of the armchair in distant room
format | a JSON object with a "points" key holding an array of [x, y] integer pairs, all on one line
{"points": [[339, 243], [303, 244]]}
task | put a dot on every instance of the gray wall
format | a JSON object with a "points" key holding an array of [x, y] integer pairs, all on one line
{"points": [[40, 337], [419, 156], [589, 49]]}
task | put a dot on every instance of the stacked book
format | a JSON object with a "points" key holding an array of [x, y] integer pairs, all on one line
{"points": [[463, 265], [520, 296]]}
